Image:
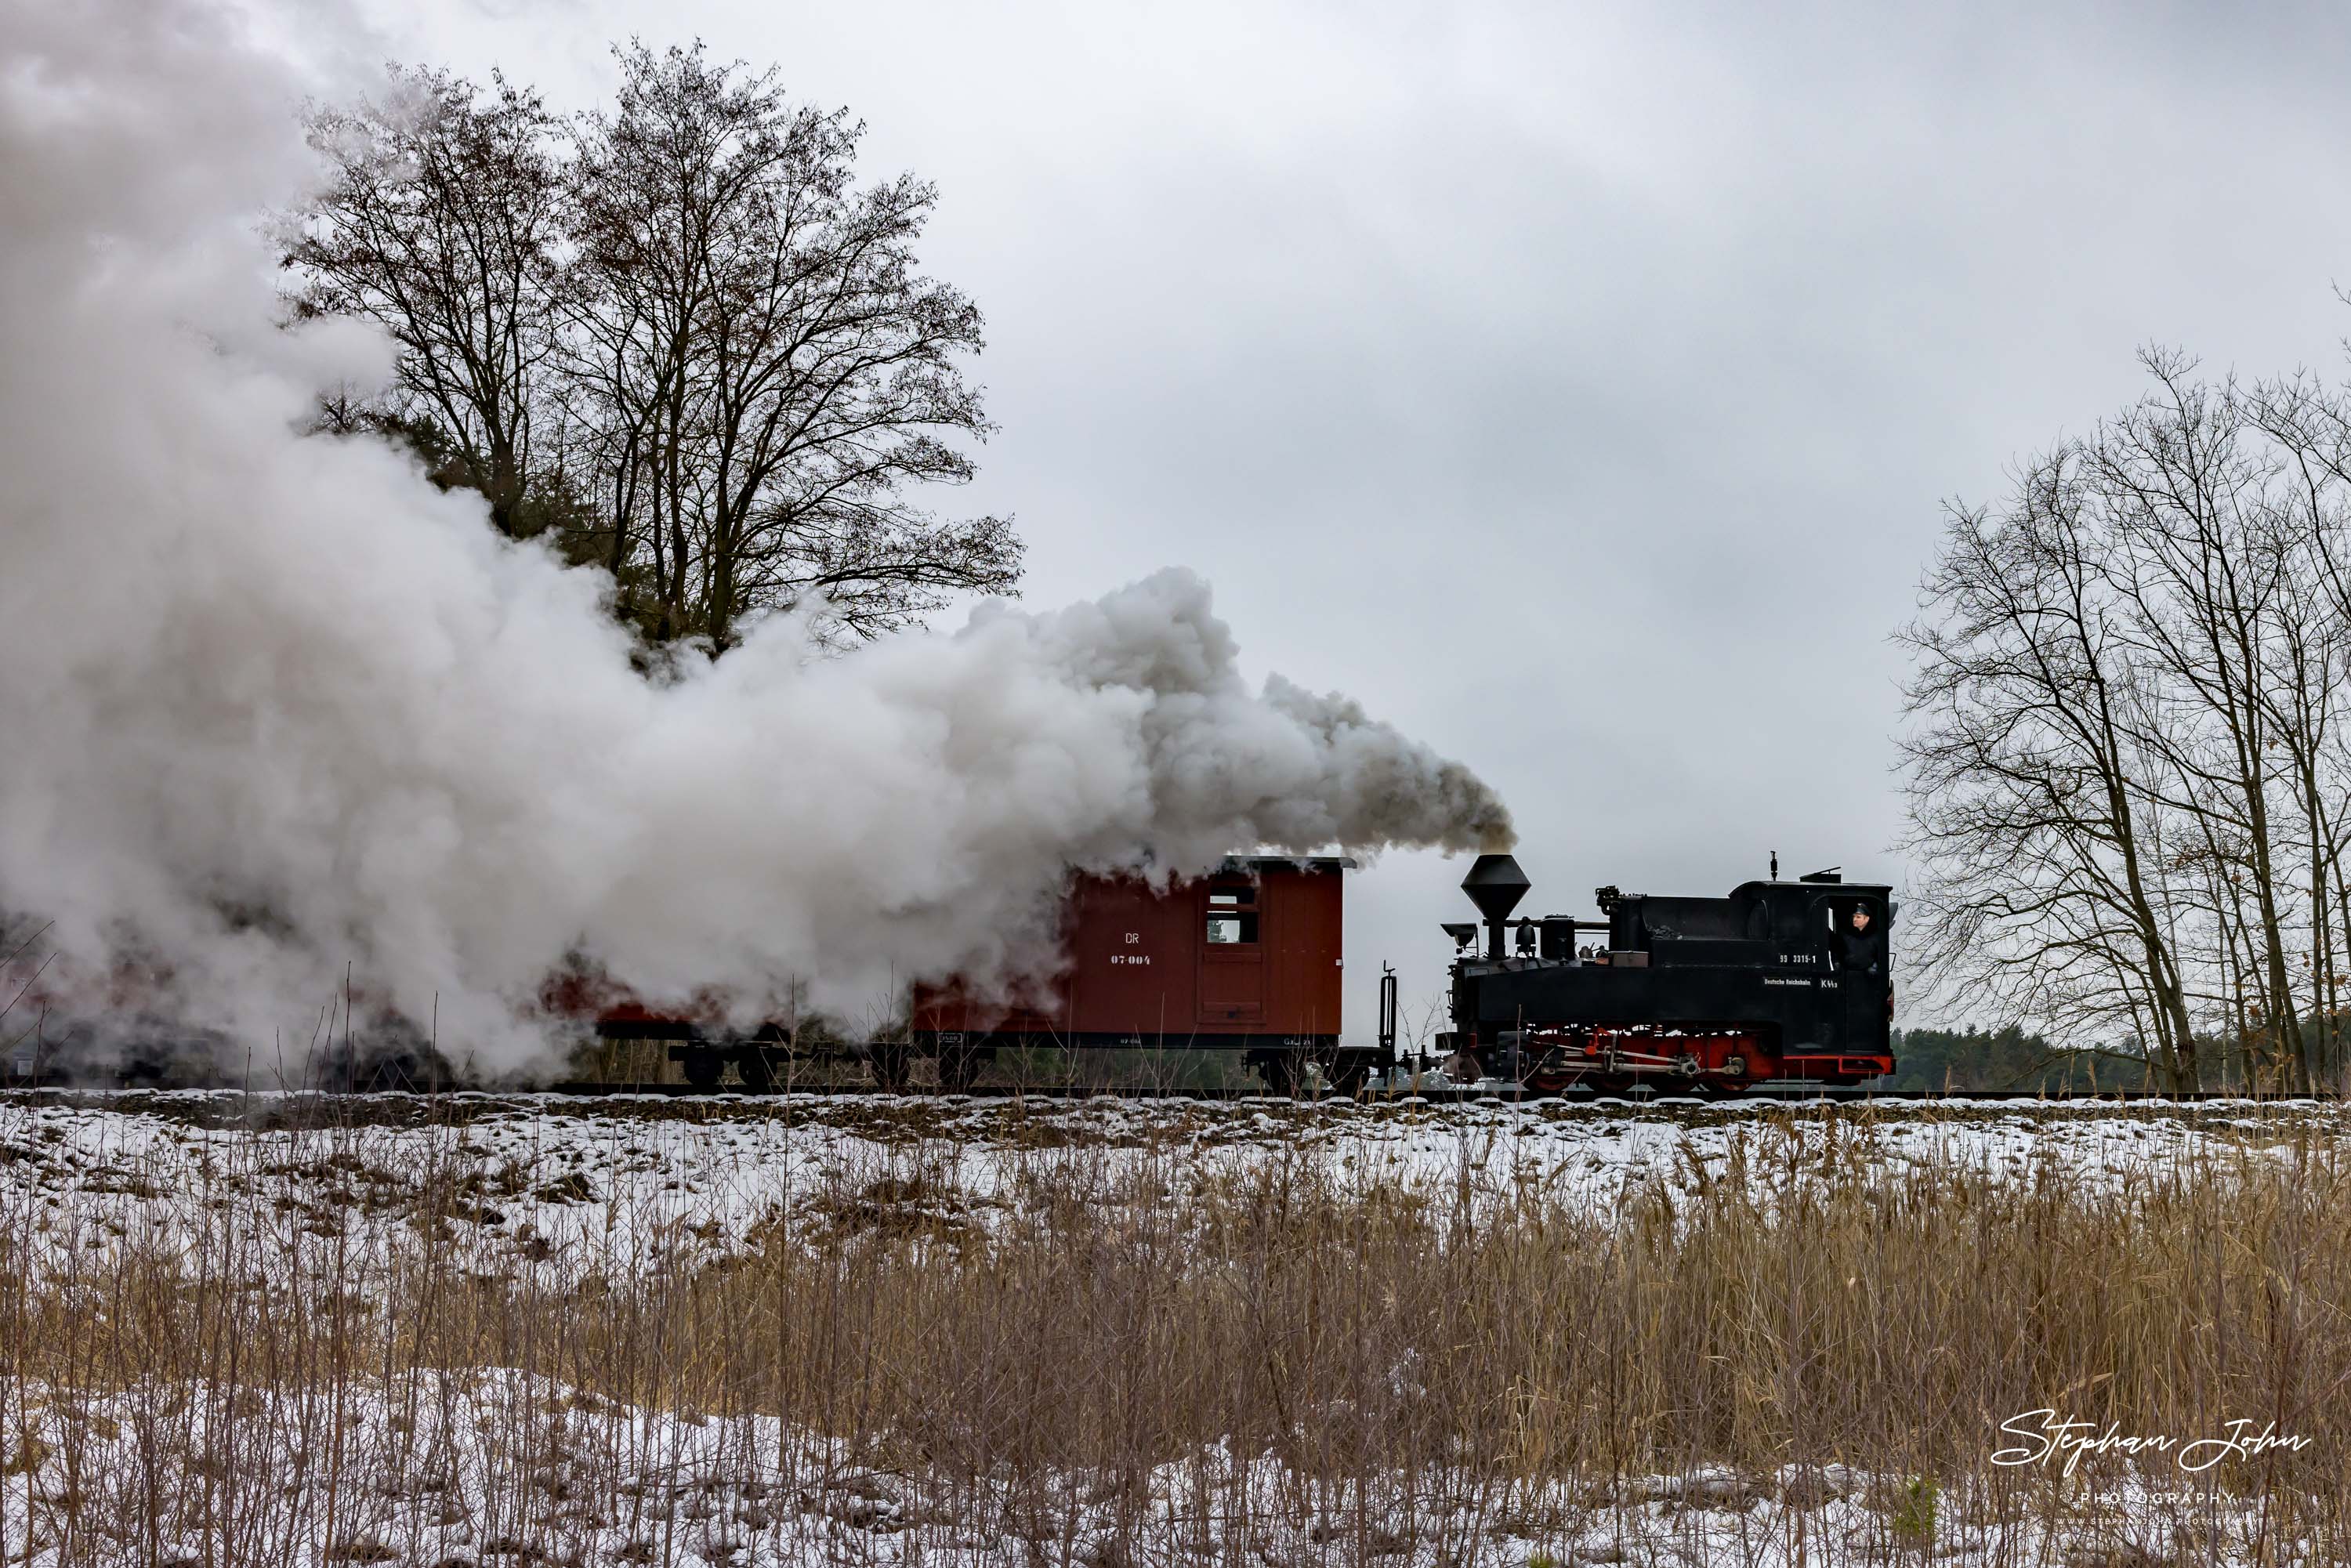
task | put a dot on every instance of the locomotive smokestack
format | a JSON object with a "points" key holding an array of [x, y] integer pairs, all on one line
{"points": [[1495, 885]]}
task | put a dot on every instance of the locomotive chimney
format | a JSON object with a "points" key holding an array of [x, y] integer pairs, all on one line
{"points": [[1495, 885]]}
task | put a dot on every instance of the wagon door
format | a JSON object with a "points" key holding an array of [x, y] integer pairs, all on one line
{"points": [[1232, 954]]}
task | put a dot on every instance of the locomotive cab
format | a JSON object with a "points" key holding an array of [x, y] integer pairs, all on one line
{"points": [[1762, 925]]}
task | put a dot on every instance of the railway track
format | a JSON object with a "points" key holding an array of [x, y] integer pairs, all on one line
{"points": [[1465, 1095], [1789, 1095]]}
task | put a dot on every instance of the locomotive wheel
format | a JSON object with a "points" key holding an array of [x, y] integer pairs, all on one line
{"points": [[703, 1069], [890, 1064], [758, 1071]]}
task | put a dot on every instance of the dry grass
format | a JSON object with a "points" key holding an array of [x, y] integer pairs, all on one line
{"points": [[1426, 1370]]}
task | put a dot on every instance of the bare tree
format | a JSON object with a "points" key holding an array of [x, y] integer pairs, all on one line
{"points": [[2187, 489], [773, 370], [679, 333], [2130, 779], [2037, 846], [441, 221], [2311, 425]]}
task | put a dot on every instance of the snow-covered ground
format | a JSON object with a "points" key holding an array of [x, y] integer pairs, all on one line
{"points": [[488, 1468], [628, 1184], [498, 1467]]}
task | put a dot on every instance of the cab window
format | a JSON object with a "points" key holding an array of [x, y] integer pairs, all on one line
{"points": [[1841, 912]]}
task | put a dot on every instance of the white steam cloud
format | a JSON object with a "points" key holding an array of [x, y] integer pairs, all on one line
{"points": [[270, 704]]}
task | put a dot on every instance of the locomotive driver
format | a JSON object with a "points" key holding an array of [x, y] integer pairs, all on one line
{"points": [[1861, 946]]}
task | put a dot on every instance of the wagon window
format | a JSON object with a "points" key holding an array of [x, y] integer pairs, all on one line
{"points": [[1225, 927], [1232, 915]]}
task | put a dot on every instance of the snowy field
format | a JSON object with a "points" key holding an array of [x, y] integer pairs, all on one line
{"points": [[635, 1182], [422, 1473], [322, 1200]]}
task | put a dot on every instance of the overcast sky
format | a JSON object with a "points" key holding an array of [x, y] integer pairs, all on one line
{"points": [[1577, 386]]}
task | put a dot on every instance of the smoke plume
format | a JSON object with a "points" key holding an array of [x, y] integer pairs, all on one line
{"points": [[271, 704]]}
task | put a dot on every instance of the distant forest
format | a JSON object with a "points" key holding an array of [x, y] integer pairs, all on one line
{"points": [[2004, 1059], [2011, 1059]]}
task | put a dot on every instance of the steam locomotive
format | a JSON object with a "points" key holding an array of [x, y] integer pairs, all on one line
{"points": [[1780, 980]]}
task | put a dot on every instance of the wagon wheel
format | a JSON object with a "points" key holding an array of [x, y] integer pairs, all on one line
{"points": [[889, 1063], [1347, 1073], [758, 1071], [703, 1067], [1280, 1069], [958, 1068]]}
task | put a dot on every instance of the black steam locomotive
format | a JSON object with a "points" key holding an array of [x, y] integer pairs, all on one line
{"points": [[1780, 980]]}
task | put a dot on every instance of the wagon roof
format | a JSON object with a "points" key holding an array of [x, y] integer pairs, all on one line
{"points": [[1287, 862]]}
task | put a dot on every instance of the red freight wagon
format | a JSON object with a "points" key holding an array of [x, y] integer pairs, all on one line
{"points": [[1244, 959]]}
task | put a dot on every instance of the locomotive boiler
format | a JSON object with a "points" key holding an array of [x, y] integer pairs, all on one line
{"points": [[1780, 980]]}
